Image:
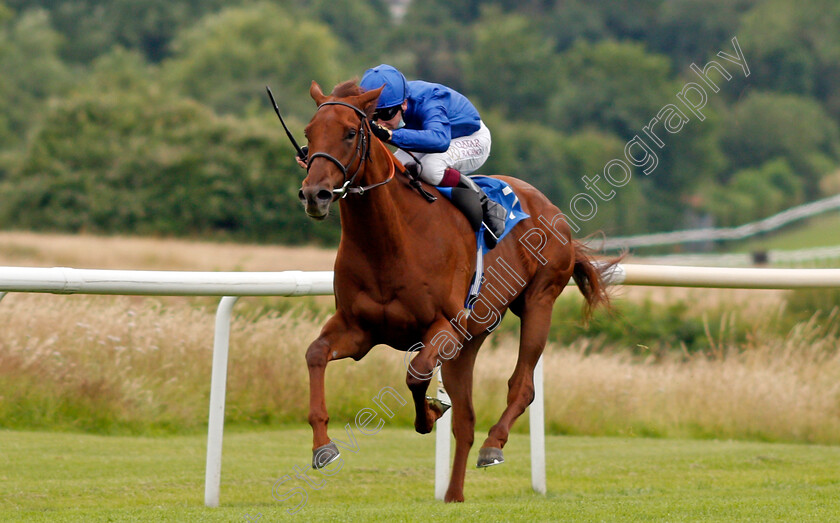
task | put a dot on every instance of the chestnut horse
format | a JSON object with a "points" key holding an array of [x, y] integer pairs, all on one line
{"points": [[404, 268]]}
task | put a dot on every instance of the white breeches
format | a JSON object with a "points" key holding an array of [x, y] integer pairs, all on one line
{"points": [[466, 154]]}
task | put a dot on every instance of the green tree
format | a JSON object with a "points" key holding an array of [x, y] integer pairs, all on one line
{"points": [[227, 60], [32, 73], [764, 126], [754, 193], [690, 30], [510, 65], [630, 19], [555, 163], [92, 27], [363, 25], [619, 88], [571, 21], [429, 41], [615, 86], [532, 153], [793, 47], [124, 156]]}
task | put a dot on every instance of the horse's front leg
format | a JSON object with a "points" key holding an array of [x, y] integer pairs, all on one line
{"points": [[439, 344], [337, 340]]}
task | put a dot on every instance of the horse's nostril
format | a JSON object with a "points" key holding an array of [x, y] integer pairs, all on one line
{"points": [[324, 194], [301, 196]]}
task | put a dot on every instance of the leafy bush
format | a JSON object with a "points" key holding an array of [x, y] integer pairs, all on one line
{"points": [[145, 162], [645, 328], [639, 326], [765, 126], [806, 302], [755, 193]]}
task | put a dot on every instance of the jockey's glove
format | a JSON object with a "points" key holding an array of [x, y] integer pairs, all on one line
{"points": [[380, 132], [305, 157]]}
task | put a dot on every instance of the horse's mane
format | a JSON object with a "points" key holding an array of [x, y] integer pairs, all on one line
{"points": [[347, 89]]}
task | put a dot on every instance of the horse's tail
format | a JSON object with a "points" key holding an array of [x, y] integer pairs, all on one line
{"points": [[590, 277]]}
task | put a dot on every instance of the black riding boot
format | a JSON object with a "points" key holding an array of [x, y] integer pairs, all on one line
{"points": [[493, 214]]}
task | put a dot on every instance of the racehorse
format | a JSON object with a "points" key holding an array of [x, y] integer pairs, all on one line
{"points": [[404, 267]]}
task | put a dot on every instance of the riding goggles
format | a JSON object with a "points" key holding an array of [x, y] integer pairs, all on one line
{"points": [[386, 113]]}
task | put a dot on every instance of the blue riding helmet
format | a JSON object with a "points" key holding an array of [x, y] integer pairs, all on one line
{"points": [[396, 87]]}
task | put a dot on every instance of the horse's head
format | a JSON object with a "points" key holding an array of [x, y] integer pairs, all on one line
{"points": [[339, 142]]}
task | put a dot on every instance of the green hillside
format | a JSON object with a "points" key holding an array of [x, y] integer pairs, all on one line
{"points": [[819, 231], [151, 118]]}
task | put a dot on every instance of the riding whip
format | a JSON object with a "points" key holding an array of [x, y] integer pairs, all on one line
{"points": [[300, 152]]}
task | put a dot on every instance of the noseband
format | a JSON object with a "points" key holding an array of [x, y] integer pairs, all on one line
{"points": [[362, 153]]}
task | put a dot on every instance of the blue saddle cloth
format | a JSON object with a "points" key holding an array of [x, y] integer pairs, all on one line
{"points": [[501, 193]]}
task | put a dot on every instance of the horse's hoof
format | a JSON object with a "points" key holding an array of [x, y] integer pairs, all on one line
{"points": [[442, 405], [324, 455], [489, 456]]}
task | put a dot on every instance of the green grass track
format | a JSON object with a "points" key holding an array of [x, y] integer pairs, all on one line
{"points": [[76, 477]]}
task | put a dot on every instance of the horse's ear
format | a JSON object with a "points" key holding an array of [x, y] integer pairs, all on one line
{"points": [[367, 101], [316, 93]]}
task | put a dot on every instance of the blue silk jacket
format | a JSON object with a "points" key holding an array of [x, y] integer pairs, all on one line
{"points": [[434, 116]]}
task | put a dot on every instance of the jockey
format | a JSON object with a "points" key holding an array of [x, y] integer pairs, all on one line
{"points": [[443, 130]]}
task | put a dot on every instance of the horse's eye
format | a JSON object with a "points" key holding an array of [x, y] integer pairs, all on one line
{"points": [[351, 134]]}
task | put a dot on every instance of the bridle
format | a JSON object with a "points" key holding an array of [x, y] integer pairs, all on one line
{"points": [[361, 155]]}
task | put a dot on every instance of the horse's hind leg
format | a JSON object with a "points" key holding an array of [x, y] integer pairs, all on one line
{"points": [[536, 319], [458, 380]]}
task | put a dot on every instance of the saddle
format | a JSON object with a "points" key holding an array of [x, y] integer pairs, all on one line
{"points": [[470, 201], [468, 197]]}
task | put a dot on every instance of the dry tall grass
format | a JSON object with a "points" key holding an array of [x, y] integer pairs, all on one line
{"points": [[784, 389], [132, 253], [115, 364]]}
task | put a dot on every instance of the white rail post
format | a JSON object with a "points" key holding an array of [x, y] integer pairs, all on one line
{"points": [[218, 383], [443, 431], [536, 413]]}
